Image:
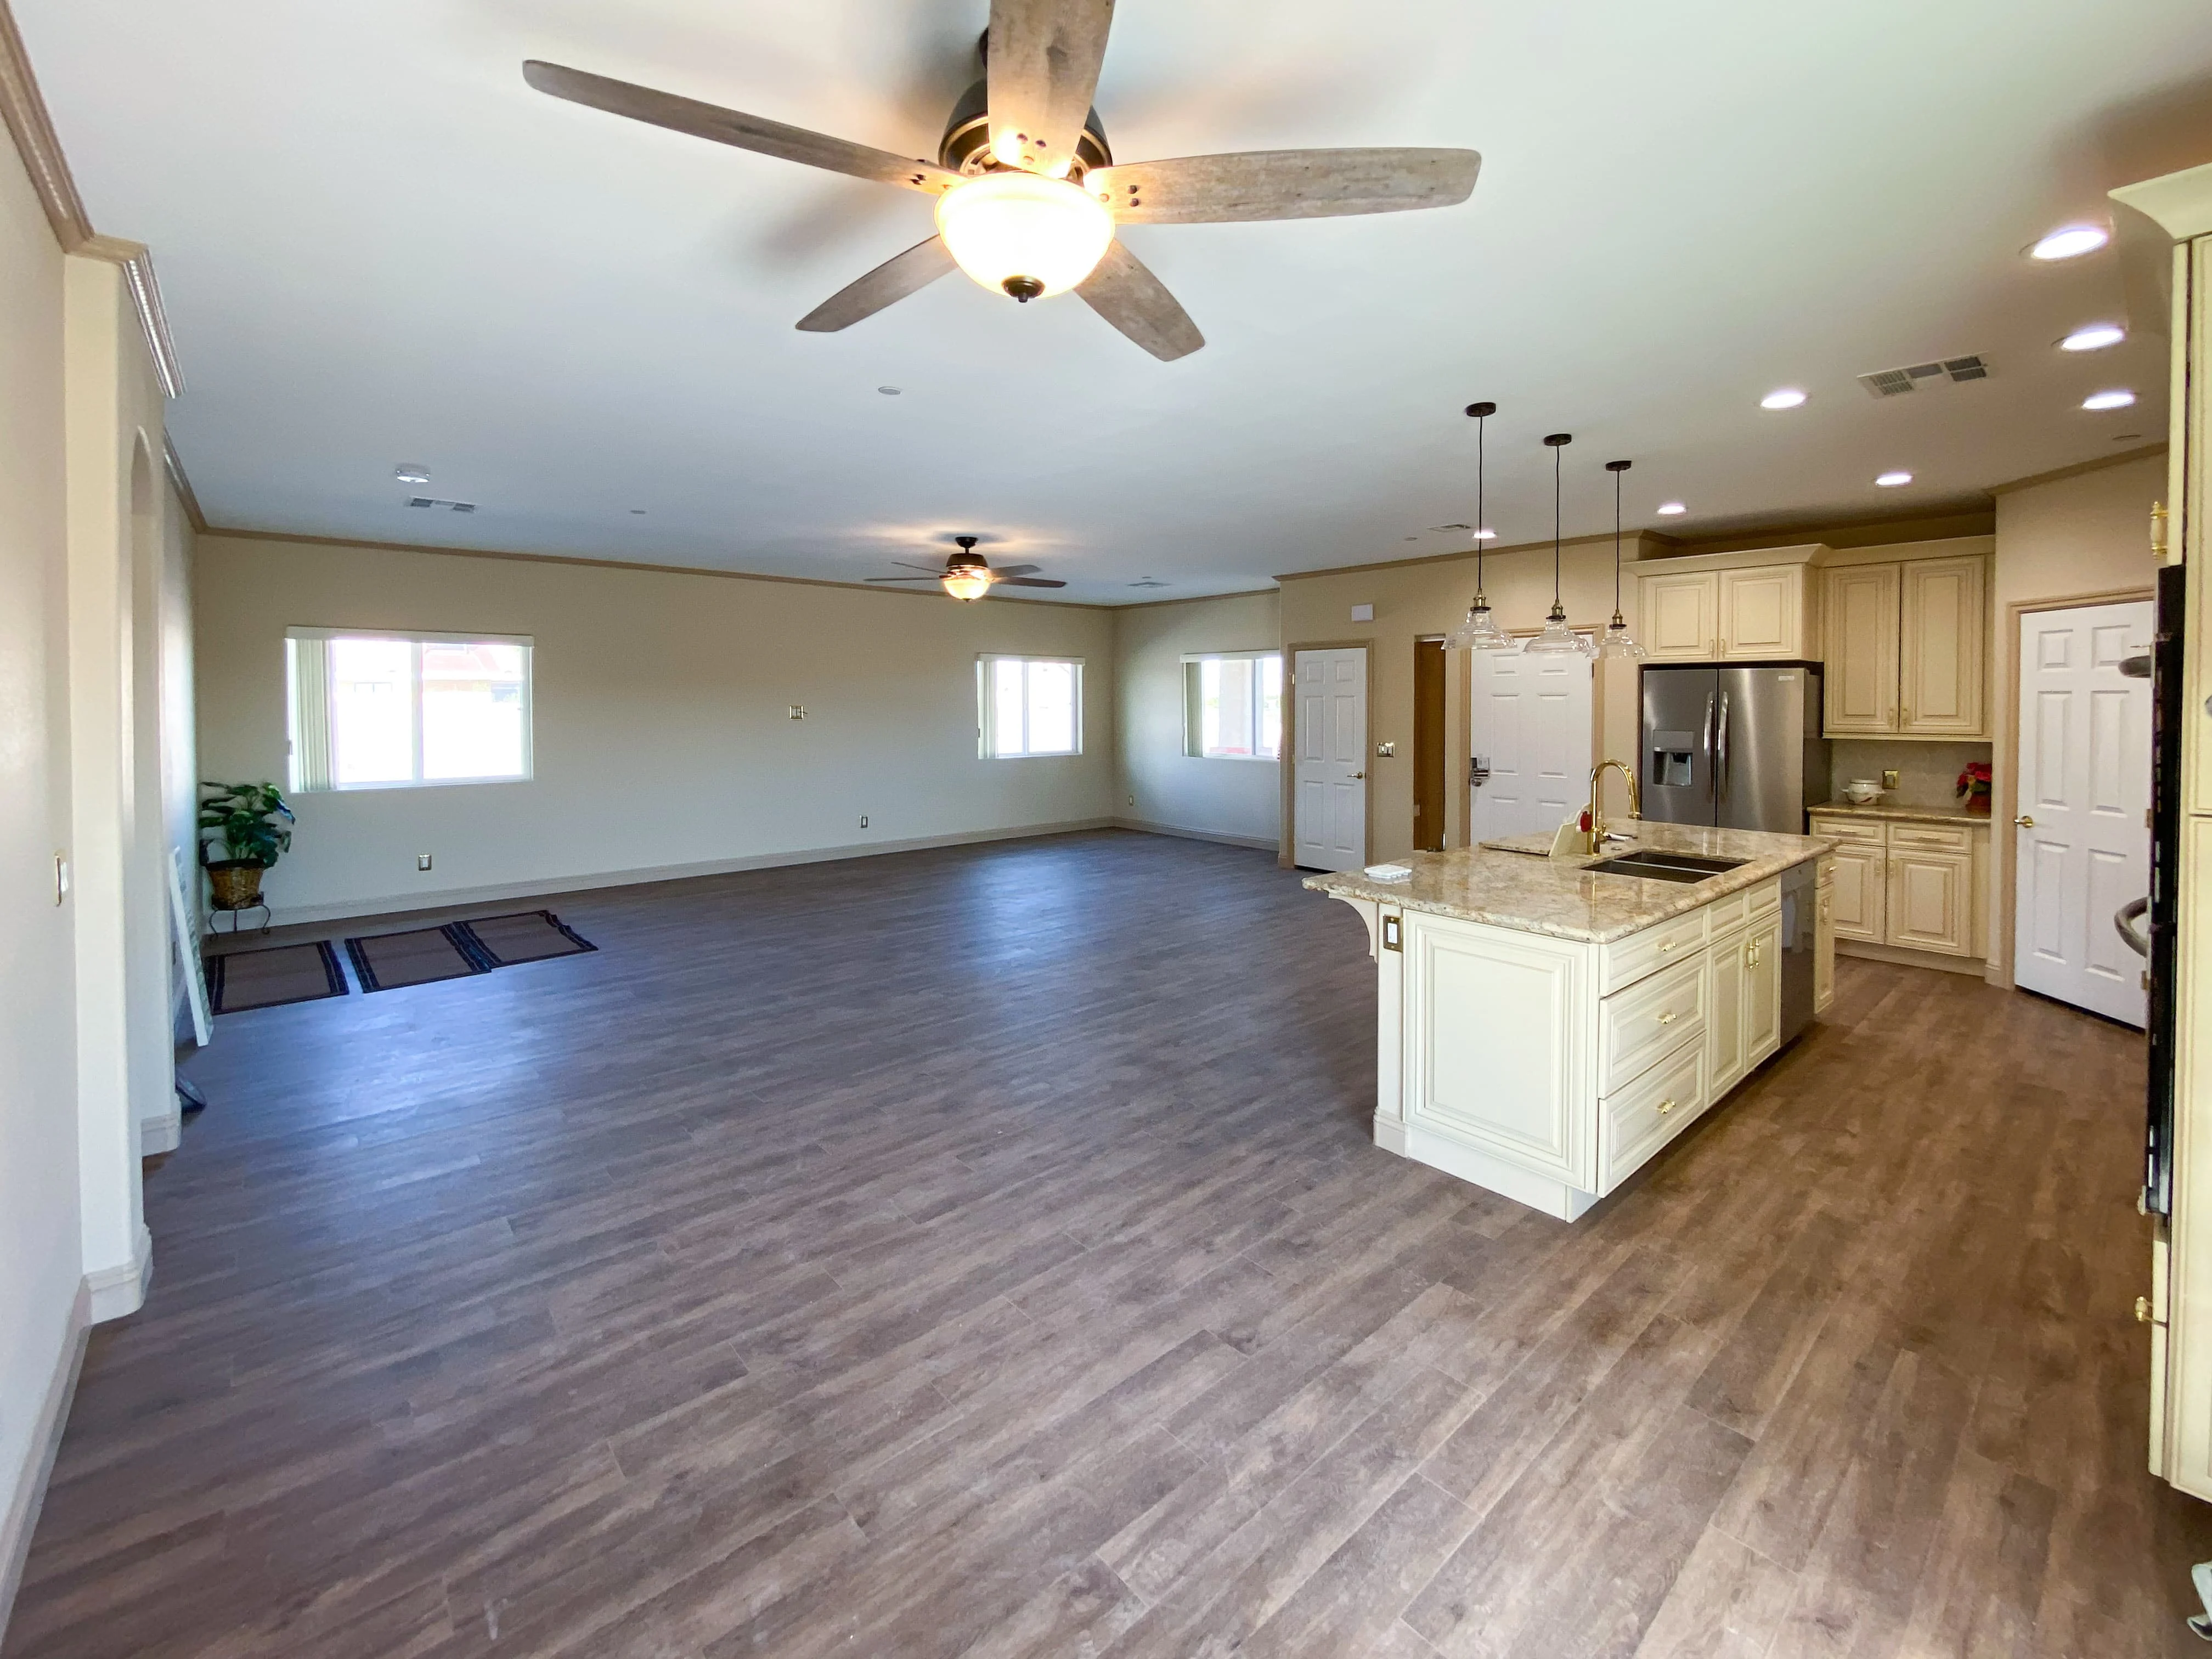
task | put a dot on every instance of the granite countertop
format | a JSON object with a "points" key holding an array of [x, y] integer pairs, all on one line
{"points": [[1903, 814], [1501, 883]]}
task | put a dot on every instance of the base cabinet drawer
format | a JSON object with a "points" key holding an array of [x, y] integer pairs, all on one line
{"points": [[1638, 1025], [1630, 959], [1651, 1111]]}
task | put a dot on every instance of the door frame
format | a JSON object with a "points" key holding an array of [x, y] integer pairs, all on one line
{"points": [[2003, 896], [1287, 852], [1440, 780]]}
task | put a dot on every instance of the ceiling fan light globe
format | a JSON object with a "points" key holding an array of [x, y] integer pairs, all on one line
{"points": [[967, 582], [1023, 235]]}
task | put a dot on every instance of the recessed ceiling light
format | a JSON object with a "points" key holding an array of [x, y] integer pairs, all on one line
{"points": [[1893, 480], [1668, 509], [2114, 399], [1788, 396], [410, 472], [2096, 338], [2071, 242], [890, 390], [1485, 535]]}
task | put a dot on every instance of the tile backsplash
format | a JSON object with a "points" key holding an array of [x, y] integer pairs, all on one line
{"points": [[1928, 772]]}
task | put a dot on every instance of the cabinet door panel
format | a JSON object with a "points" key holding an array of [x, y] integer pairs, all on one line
{"points": [[1943, 629], [1500, 1044], [1679, 615], [1824, 948], [1930, 906], [1860, 681], [1762, 992], [1761, 613], [1859, 892], [1724, 1052]]}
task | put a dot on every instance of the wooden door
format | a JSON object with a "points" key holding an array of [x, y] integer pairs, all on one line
{"points": [[1860, 892], [1762, 614], [1860, 681], [1429, 777], [1931, 901], [1942, 625], [1680, 615], [1331, 777], [2082, 847], [1529, 739], [1724, 1010], [1762, 990]]}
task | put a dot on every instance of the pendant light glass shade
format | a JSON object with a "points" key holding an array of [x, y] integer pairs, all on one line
{"points": [[1480, 631], [1557, 640], [1618, 643]]}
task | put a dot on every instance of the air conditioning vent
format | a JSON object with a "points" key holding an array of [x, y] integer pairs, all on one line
{"points": [[1895, 382], [1148, 582], [450, 507]]}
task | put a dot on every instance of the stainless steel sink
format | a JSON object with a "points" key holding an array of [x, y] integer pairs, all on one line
{"points": [[1649, 864]]}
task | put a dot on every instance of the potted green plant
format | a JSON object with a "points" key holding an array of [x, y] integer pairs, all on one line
{"points": [[253, 824]]}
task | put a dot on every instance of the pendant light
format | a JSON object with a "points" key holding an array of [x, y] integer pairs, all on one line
{"points": [[1557, 640], [1480, 631], [1617, 642]]}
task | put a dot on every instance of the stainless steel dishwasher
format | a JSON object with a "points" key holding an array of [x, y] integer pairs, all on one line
{"points": [[1800, 932]]}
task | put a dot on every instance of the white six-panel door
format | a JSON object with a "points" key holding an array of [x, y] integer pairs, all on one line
{"points": [[2082, 841], [1330, 803], [1528, 723]]}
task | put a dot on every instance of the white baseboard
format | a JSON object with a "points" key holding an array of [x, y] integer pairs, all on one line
{"points": [[29, 1490], [111, 1292], [165, 1134], [1261, 843], [585, 881]]}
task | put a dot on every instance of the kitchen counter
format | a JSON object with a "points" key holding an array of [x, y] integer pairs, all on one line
{"points": [[1844, 809], [1502, 884]]}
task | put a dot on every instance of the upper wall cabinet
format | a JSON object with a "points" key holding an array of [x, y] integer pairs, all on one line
{"points": [[1904, 647], [1728, 609]]}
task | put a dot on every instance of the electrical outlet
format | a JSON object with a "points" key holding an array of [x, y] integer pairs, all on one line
{"points": [[799, 711], [1133, 800], [1889, 780], [864, 820], [422, 861]]}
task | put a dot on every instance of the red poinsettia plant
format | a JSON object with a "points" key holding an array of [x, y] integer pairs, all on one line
{"points": [[1974, 784]]}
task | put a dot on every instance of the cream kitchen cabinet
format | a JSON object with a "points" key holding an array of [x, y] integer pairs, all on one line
{"points": [[1824, 941], [1743, 970], [1907, 885], [1904, 648], [1723, 610]]}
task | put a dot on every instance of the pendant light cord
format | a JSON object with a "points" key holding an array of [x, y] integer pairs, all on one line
{"points": [[1616, 545], [1555, 527], [1480, 424]]}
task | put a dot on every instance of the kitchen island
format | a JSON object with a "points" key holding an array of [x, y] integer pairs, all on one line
{"points": [[1544, 1027]]}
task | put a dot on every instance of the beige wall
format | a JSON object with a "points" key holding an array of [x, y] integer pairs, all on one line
{"points": [[1428, 599], [38, 1217], [662, 740], [1160, 786], [2066, 540]]}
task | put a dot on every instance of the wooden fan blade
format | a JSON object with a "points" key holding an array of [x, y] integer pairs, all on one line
{"points": [[902, 579], [1017, 569], [1126, 295], [888, 283], [728, 126], [1284, 184], [1026, 582], [935, 570], [1042, 64]]}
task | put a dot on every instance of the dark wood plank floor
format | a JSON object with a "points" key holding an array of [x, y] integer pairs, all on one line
{"points": [[981, 1252]]}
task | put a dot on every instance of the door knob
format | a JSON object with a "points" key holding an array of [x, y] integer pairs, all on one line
{"points": [[2025, 822], [1359, 775]]}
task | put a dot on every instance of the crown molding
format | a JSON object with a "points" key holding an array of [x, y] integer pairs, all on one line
{"points": [[2079, 468], [172, 464], [23, 108]]}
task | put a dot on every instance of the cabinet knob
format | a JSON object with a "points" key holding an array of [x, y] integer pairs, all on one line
{"points": [[2025, 822], [1667, 1105], [2142, 1310], [1666, 1019]]}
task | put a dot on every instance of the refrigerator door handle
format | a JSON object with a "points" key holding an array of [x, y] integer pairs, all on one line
{"points": [[1720, 749], [1712, 779]]}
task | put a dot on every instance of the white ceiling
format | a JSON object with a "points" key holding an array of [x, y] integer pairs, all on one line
{"points": [[378, 246]]}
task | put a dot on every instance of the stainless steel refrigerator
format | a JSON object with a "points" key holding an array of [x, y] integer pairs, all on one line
{"points": [[1737, 747]]}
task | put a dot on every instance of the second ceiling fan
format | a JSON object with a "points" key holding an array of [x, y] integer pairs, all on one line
{"points": [[1027, 192]]}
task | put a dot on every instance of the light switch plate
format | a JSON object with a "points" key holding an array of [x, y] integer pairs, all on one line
{"points": [[1889, 780], [1363, 613], [422, 861]]}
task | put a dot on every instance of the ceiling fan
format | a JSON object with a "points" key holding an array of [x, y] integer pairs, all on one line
{"points": [[1027, 192], [966, 576]]}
